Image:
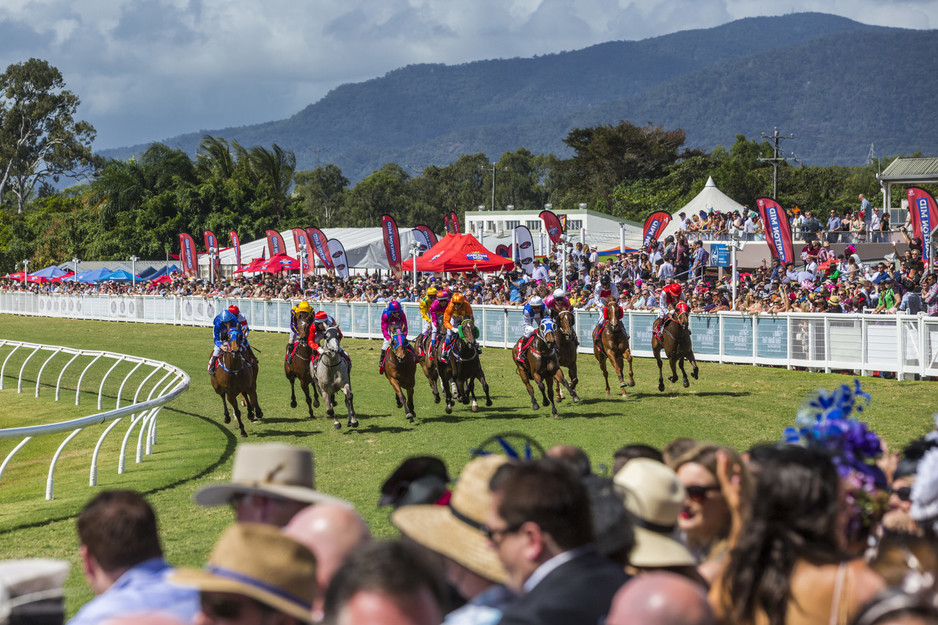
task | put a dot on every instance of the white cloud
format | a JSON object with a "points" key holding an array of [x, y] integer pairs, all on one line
{"points": [[151, 69]]}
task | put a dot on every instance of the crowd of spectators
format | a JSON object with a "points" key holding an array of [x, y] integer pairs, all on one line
{"points": [[816, 529]]}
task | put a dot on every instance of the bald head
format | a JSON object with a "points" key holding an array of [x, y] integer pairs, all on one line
{"points": [[147, 618], [330, 531], [660, 599]]}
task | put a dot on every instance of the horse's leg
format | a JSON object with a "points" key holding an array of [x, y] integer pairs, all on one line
{"points": [[224, 406], [443, 369], [693, 362], [349, 405], [628, 358], [522, 371], [683, 373], [304, 384], [410, 412], [252, 395], [542, 386], [616, 359], [485, 386], [548, 382], [316, 393], [562, 381], [429, 370], [291, 378], [656, 347], [601, 358], [233, 400], [672, 360]]}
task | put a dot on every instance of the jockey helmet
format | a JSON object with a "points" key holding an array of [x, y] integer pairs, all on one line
{"points": [[234, 310], [559, 293], [227, 317], [605, 280], [320, 316], [304, 307], [536, 302], [394, 307], [458, 298], [442, 294], [431, 292]]}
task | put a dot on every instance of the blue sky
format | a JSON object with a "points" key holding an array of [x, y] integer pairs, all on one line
{"points": [[151, 69]]}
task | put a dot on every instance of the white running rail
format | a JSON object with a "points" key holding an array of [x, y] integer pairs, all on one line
{"points": [[161, 385]]}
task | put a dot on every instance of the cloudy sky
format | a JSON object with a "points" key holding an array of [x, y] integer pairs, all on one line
{"points": [[152, 69]]}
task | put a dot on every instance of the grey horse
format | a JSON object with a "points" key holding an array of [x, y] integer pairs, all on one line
{"points": [[331, 374]]}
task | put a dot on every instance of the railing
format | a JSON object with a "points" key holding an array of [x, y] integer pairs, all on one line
{"points": [[902, 344], [161, 383]]}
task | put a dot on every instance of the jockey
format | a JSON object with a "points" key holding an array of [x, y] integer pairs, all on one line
{"points": [[672, 296], [301, 309], [224, 323], [532, 315], [556, 303], [242, 322], [605, 290], [321, 322], [392, 317], [437, 310], [425, 302], [458, 310]]}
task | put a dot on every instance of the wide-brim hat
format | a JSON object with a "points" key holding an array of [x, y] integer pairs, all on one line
{"points": [[655, 497], [269, 469], [456, 530], [258, 561]]}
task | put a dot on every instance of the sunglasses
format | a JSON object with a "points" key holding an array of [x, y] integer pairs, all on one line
{"points": [[904, 493], [493, 535], [697, 493]]}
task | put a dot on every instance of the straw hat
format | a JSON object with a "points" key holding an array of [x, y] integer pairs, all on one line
{"points": [[655, 496], [270, 469], [456, 530], [257, 561]]}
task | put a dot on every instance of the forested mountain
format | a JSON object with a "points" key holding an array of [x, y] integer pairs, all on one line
{"points": [[836, 84]]}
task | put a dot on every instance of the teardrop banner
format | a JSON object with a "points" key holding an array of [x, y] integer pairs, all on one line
{"points": [[777, 230], [338, 258], [552, 225], [525, 249], [236, 244], [275, 243], [654, 226], [321, 245], [392, 243], [924, 215], [187, 254]]}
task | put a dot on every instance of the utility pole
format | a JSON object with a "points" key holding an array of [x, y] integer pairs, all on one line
{"points": [[775, 160]]}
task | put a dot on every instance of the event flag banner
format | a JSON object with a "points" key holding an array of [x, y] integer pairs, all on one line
{"points": [[420, 236], [429, 234], [321, 245], [777, 230], [924, 214], [392, 243], [300, 241], [236, 244], [552, 225], [211, 243], [275, 243], [338, 258], [503, 250], [454, 222], [654, 226], [525, 249], [187, 255]]}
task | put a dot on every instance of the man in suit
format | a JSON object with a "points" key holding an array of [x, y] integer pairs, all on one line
{"points": [[539, 525]]}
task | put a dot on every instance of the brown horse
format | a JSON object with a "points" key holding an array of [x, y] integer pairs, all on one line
{"points": [[675, 340], [400, 365], [466, 367], [297, 368], [429, 365], [235, 375], [564, 323], [542, 366], [613, 343]]}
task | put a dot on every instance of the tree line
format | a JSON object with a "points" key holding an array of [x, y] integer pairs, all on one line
{"points": [[139, 206]]}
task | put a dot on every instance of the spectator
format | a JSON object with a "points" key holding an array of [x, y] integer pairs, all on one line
{"points": [[270, 483], [660, 599], [122, 560]]}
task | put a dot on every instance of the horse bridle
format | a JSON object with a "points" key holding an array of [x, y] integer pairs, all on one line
{"points": [[568, 336]]}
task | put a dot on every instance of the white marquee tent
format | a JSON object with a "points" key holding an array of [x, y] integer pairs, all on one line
{"points": [[709, 198]]}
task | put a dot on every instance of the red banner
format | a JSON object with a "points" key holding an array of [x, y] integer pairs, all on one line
{"points": [[321, 245], [392, 243], [275, 243], [654, 226], [429, 234], [454, 222], [552, 225], [777, 229], [236, 244], [301, 243], [924, 214], [187, 255], [211, 243]]}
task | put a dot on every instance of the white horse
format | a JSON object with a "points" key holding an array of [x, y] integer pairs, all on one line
{"points": [[331, 374]]}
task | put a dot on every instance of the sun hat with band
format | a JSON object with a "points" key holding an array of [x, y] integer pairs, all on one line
{"points": [[457, 530], [654, 496], [272, 470], [256, 560]]}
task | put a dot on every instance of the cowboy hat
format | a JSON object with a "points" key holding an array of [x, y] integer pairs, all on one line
{"points": [[258, 561], [655, 496], [456, 530], [272, 470]]}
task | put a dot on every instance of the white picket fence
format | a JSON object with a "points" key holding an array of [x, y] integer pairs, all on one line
{"points": [[161, 383], [902, 344]]}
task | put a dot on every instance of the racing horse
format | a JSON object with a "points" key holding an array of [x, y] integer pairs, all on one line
{"points": [[564, 323], [613, 344], [675, 340], [429, 365], [542, 366], [297, 368], [330, 374], [235, 375], [466, 366], [400, 365]]}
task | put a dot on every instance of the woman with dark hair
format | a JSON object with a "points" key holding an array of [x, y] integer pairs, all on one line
{"points": [[788, 565]]}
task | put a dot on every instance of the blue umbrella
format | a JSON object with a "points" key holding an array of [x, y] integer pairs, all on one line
{"points": [[92, 275], [118, 276], [147, 273], [52, 271]]}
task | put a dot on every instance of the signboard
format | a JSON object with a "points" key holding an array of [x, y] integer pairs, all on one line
{"points": [[719, 255]]}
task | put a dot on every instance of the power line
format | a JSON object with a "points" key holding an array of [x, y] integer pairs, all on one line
{"points": [[775, 160]]}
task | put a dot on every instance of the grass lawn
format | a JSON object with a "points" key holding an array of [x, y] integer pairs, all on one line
{"points": [[737, 405]]}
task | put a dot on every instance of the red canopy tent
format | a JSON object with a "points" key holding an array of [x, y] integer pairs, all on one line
{"points": [[458, 252], [280, 262], [164, 279], [62, 277], [255, 265]]}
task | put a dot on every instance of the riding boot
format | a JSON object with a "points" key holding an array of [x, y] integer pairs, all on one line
{"points": [[212, 363], [286, 358], [381, 362]]}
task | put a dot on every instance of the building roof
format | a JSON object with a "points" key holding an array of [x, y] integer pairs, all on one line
{"points": [[535, 214], [918, 169]]}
